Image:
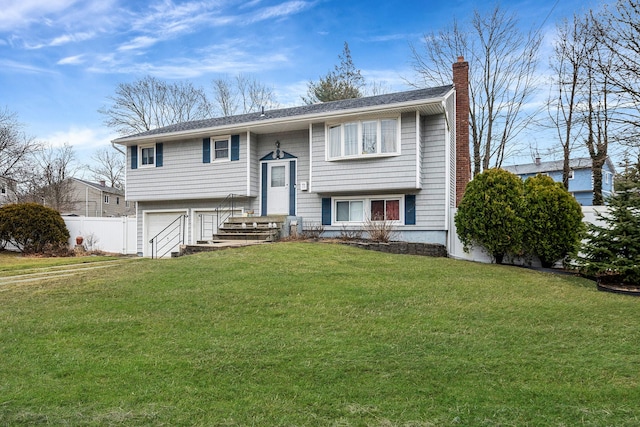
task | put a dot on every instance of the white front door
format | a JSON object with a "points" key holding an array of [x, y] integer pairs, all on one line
{"points": [[278, 187]]}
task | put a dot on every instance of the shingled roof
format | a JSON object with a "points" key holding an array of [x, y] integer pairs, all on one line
{"points": [[389, 99], [552, 166]]}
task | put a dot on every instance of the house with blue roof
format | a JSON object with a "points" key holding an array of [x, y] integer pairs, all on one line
{"points": [[580, 177]]}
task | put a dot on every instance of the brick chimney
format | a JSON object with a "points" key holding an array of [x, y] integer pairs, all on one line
{"points": [[463, 158]]}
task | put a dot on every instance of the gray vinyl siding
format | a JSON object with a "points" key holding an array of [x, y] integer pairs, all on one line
{"points": [[255, 167], [184, 175], [366, 174], [431, 200]]}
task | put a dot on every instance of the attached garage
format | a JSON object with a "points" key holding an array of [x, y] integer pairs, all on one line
{"points": [[168, 229]]}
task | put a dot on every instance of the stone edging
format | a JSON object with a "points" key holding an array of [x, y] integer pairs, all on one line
{"points": [[407, 248]]}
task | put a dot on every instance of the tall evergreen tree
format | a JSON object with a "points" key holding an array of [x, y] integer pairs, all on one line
{"points": [[344, 82], [612, 251]]}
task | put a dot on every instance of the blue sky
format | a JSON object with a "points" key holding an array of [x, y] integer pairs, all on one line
{"points": [[61, 59]]}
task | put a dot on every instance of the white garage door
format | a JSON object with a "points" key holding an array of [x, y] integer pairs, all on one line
{"points": [[168, 227]]}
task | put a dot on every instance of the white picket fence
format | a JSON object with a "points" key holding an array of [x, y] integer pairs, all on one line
{"points": [[117, 235], [456, 248]]}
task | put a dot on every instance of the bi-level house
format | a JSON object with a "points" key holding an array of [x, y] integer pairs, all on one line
{"points": [[580, 176], [399, 157]]}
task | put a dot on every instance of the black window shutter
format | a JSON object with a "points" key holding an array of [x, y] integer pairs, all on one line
{"points": [[206, 150], [134, 157], [326, 211], [235, 147], [410, 209], [159, 153]]}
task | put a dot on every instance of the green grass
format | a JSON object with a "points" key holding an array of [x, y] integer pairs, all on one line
{"points": [[16, 263], [318, 335]]}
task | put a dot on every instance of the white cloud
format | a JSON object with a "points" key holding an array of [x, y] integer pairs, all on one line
{"points": [[81, 138], [138, 43], [20, 14], [279, 11], [9, 65], [71, 60], [71, 38]]}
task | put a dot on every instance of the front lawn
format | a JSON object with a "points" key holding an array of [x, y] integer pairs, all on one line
{"points": [[15, 262], [318, 335]]}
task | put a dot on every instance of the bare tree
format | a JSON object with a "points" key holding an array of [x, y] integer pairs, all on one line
{"points": [[225, 96], [15, 146], [150, 103], [108, 166], [242, 94], [254, 95], [618, 29], [50, 181], [601, 105], [344, 82], [502, 77], [568, 64]]}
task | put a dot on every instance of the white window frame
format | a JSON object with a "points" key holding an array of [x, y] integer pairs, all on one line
{"points": [[106, 199], [572, 174], [360, 154], [215, 139], [117, 200], [141, 149], [367, 208]]}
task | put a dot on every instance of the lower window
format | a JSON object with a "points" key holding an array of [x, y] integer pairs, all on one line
{"points": [[386, 208]]}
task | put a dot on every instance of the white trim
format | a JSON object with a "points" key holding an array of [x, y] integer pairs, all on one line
{"points": [[294, 184], [212, 151], [447, 174], [361, 154], [310, 187], [142, 147], [366, 199], [249, 163], [418, 150]]}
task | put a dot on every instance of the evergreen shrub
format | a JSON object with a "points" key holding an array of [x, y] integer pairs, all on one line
{"points": [[33, 228]]}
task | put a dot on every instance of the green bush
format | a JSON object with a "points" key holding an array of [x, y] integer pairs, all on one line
{"points": [[612, 252], [33, 228], [489, 214], [552, 225]]}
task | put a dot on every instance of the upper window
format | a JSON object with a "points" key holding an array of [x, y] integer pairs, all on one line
{"points": [[364, 138], [221, 149], [147, 155], [106, 198], [3, 190], [571, 174], [117, 200]]}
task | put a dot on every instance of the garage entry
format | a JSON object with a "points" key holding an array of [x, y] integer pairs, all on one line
{"points": [[205, 222], [167, 229]]}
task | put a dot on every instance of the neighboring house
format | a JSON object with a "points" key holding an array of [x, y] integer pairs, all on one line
{"points": [[97, 199], [7, 192], [336, 165], [580, 177]]}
